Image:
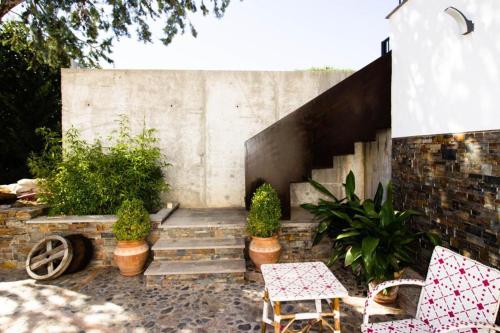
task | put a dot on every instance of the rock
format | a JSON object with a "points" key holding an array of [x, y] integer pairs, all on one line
{"points": [[25, 186], [5, 189], [28, 182], [7, 198]]}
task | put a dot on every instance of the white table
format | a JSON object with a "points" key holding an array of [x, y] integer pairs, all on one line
{"points": [[308, 281]]}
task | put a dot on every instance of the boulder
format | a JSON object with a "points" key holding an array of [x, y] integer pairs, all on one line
{"points": [[26, 186]]}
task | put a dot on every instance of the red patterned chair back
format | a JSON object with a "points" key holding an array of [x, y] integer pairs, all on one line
{"points": [[458, 289]]}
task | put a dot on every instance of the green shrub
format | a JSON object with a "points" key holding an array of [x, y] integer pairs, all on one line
{"points": [[30, 97], [133, 221], [265, 212], [373, 238], [92, 179]]}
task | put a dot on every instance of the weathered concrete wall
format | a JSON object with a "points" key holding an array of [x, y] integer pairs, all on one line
{"points": [[203, 118]]}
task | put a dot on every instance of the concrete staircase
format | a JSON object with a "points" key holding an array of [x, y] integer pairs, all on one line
{"points": [[199, 244], [368, 163]]}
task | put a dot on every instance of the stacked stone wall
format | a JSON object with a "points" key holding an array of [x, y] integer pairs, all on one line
{"points": [[22, 227], [454, 181]]}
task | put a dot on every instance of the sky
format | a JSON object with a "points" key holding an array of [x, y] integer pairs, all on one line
{"points": [[270, 35]]}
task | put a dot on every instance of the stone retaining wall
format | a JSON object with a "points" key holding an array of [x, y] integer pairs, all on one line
{"points": [[454, 180], [296, 239], [23, 227]]}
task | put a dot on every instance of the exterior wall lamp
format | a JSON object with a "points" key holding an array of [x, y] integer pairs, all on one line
{"points": [[466, 26]]}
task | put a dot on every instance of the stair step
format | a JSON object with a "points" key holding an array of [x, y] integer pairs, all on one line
{"points": [[164, 273], [189, 217], [205, 223], [199, 243], [186, 249], [195, 267], [331, 175], [305, 193]]}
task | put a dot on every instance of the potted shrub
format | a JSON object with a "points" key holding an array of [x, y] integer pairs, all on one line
{"points": [[375, 240], [263, 225], [131, 229]]}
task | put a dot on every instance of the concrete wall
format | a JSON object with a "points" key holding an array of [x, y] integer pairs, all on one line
{"points": [[444, 82], [203, 118]]}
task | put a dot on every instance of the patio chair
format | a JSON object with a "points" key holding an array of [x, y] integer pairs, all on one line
{"points": [[458, 295]]}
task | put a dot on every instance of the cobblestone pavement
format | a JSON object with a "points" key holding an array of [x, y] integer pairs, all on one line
{"points": [[101, 300]]}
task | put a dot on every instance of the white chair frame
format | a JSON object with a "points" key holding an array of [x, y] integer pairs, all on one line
{"points": [[441, 259]]}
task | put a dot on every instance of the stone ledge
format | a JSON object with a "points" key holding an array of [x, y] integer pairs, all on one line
{"points": [[157, 217], [73, 219], [299, 224]]}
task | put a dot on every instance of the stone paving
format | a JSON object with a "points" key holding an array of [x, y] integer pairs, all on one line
{"points": [[100, 300]]}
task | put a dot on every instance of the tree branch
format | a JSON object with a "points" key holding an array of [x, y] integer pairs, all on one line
{"points": [[7, 5]]}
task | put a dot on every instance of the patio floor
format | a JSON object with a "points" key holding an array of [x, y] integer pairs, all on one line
{"points": [[101, 300]]}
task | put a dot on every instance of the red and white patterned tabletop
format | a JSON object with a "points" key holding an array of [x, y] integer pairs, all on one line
{"points": [[301, 281]]}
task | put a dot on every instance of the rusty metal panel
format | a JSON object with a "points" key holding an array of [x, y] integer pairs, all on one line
{"points": [[328, 125]]}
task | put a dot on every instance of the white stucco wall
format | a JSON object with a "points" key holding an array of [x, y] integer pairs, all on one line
{"points": [[203, 118], [443, 82]]}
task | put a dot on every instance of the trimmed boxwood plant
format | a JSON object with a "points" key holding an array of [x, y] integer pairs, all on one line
{"points": [[133, 221], [265, 212]]}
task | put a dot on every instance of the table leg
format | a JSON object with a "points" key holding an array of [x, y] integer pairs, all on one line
{"points": [[265, 313], [319, 310], [277, 313], [336, 313]]}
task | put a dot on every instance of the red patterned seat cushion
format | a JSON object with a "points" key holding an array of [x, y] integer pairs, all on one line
{"points": [[398, 326], [447, 327], [458, 289]]}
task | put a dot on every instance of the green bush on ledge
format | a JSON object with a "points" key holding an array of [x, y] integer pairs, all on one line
{"points": [[133, 221], [265, 212], [90, 178]]}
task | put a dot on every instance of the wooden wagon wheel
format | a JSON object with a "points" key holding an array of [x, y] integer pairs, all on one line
{"points": [[49, 258]]}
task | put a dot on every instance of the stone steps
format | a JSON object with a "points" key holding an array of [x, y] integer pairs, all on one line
{"points": [[331, 178], [198, 249], [195, 267], [163, 273], [199, 244]]}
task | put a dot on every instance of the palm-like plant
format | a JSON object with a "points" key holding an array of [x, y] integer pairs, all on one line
{"points": [[371, 237]]}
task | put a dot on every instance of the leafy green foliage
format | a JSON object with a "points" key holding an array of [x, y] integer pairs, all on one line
{"points": [[85, 30], [133, 221], [30, 98], [43, 165], [93, 179], [265, 212], [332, 214], [371, 237]]}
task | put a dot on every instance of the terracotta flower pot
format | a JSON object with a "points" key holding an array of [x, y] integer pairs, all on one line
{"points": [[390, 295], [264, 250], [130, 256]]}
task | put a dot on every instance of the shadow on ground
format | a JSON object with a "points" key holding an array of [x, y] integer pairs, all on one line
{"points": [[101, 300]]}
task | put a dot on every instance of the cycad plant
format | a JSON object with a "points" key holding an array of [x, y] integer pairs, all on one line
{"points": [[370, 236]]}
